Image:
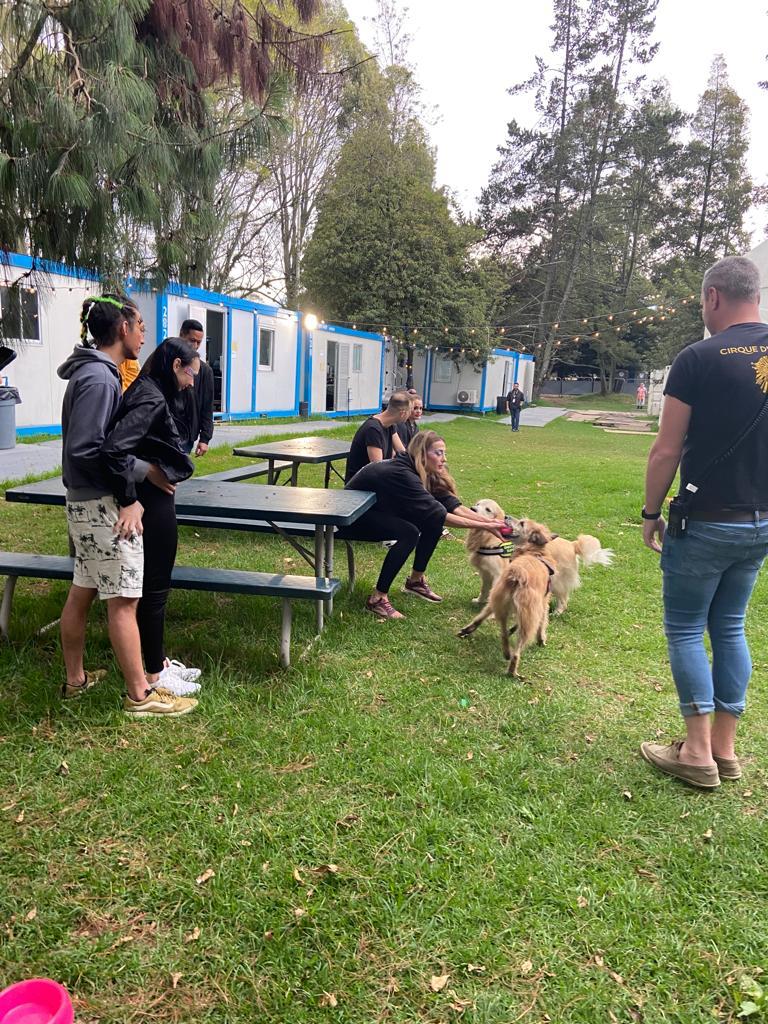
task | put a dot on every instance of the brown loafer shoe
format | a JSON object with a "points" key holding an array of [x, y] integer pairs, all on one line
{"points": [[667, 759], [728, 767]]}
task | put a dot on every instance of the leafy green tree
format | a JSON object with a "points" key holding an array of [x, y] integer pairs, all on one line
{"points": [[110, 139]]}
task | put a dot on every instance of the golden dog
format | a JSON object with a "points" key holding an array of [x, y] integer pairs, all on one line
{"points": [[521, 592], [564, 555]]}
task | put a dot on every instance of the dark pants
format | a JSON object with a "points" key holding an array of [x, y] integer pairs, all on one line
{"points": [[160, 542], [514, 414], [377, 525]]}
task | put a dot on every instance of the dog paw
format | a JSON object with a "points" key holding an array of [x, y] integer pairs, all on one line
{"points": [[466, 631], [476, 600]]}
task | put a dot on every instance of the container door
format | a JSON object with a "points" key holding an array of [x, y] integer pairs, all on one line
{"points": [[343, 382]]}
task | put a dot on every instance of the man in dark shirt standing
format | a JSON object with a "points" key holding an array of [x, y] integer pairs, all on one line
{"points": [[376, 439], [715, 398], [193, 411], [515, 399]]}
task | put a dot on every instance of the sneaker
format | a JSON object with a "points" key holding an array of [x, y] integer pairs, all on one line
{"points": [[728, 767], [191, 675], [421, 589], [667, 759], [158, 703], [169, 679], [383, 608], [70, 690]]}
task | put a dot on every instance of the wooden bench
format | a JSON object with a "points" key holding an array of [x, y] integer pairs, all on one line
{"points": [[184, 577], [246, 472]]}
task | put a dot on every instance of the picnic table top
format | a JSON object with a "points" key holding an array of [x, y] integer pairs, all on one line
{"points": [[298, 449], [216, 499]]}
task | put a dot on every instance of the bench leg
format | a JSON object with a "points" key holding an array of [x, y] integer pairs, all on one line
{"points": [[285, 634], [327, 475], [350, 563], [329, 564], [5, 605], [295, 475], [319, 558]]}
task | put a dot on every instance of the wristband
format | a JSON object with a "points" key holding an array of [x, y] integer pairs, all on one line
{"points": [[650, 515]]}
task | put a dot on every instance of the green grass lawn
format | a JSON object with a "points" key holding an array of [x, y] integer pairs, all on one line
{"points": [[608, 403], [504, 834]]}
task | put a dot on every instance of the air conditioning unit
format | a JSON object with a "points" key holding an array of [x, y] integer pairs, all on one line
{"points": [[467, 397]]}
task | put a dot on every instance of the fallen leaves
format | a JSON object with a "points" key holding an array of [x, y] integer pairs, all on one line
{"points": [[329, 999], [63, 769], [193, 936], [296, 766], [707, 836], [175, 979], [206, 876], [438, 982], [19, 817], [31, 914]]}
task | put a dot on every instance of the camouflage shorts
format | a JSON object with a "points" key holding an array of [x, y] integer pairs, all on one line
{"points": [[103, 561]]}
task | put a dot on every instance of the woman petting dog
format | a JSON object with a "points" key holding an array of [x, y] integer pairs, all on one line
{"points": [[415, 499]]}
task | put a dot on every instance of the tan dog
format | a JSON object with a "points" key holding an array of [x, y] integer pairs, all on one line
{"points": [[565, 556], [521, 593], [489, 566]]}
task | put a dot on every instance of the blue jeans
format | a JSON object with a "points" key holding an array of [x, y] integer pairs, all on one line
{"points": [[709, 575], [514, 414]]}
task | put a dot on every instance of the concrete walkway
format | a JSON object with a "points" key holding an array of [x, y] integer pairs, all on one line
{"points": [[36, 459]]}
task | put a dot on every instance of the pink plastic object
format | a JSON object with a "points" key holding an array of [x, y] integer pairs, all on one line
{"points": [[37, 1001]]}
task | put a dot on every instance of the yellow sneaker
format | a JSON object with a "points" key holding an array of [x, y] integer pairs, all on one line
{"points": [[70, 690], [158, 703]]}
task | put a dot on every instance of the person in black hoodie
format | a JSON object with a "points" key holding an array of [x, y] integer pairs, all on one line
{"points": [[105, 532], [143, 427], [407, 513]]}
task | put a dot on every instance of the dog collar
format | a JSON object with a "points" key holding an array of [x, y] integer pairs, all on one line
{"points": [[505, 550]]}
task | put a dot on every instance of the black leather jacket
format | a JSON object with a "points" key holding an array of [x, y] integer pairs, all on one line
{"points": [[142, 427]]}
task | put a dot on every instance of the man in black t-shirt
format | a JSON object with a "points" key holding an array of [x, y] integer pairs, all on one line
{"points": [[515, 399], [714, 428], [376, 439], [193, 409]]}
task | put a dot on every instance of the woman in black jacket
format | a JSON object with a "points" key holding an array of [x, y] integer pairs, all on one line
{"points": [[144, 427], [406, 512]]}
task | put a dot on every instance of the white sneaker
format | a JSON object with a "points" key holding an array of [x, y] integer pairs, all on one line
{"points": [[190, 675], [170, 680]]}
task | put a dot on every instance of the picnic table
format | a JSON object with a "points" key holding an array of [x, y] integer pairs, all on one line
{"points": [[314, 450], [324, 509]]}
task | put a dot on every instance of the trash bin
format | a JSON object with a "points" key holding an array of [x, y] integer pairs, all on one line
{"points": [[9, 399], [501, 405], [304, 410]]}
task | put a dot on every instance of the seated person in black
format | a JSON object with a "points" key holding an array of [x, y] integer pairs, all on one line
{"points": [[407, 513], [376, 439], [408, 430]]}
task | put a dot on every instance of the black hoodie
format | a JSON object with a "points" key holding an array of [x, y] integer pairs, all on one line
{"points": [[90, 402]]}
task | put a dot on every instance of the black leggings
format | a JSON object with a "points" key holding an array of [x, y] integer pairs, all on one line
{"points": [[160, 542], [377, 525]]}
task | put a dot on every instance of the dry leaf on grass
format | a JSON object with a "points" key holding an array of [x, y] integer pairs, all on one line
{"points": [[526, 967], [475, 969], [206, 876], [193, 936], [175, 979], [31, 914], [438, 982], [323, 870], [298, 876], [627, 794], [299, 912], [19, 817], [707, 836], [469, 756], [459, 1005], [582, 901], [349, 820], [63, 769], [296, 766], [391, 987], [329, 999]]}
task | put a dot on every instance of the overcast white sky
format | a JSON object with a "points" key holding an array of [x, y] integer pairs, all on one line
{"points": [[466, 58]]}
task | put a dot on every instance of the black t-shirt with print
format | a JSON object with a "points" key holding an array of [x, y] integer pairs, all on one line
{"points": [[725, 381], [372, 434]]}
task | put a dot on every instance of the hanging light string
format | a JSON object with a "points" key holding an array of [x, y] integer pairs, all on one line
{"points": [[591, 324]]}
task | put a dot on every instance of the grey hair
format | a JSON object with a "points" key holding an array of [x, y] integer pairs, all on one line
{"points": [[737, 277]]}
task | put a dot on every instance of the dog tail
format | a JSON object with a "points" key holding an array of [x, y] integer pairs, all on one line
{"points": [[590, 552], [515, 576]]}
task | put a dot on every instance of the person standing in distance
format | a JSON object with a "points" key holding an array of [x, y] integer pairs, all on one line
{"points": [[715, 427], [515, 399], [193, 409]]}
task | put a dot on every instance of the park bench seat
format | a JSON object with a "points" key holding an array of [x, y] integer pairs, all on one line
{"points": [[184, 577], [246, 472]]}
